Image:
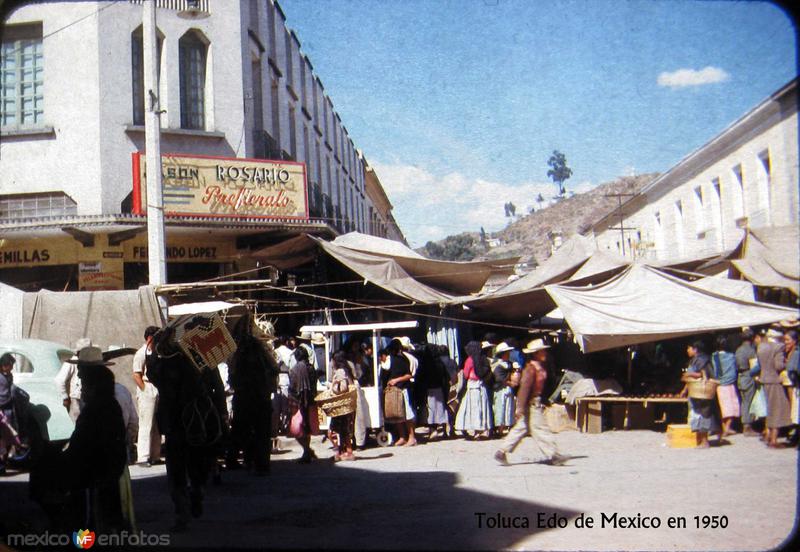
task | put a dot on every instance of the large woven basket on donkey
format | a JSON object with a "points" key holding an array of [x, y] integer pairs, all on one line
{"points": [[702, 388], [337, 405]]}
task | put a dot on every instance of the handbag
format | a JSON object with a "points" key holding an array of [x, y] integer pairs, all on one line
{"points": [[296, 428], [758, 408], [394, 406]]}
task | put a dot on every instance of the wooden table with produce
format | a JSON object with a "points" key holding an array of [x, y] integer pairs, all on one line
{"points": [[589, 410]]}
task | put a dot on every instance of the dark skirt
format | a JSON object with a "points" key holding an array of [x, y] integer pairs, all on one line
{"points": [[344, 426], [778, 414]]}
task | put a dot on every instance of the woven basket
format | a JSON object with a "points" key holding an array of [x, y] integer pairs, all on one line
{"points": [[702, 388], [337, 405]]}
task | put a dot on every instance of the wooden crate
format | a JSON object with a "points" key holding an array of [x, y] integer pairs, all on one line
{"points": [[681, 436]]}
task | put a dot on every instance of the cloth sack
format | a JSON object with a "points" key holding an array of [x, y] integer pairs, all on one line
{"points": [[758, 408], [394, 408]]}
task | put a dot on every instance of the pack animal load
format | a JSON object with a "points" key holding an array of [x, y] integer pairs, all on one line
{"points": [[204, 339]]}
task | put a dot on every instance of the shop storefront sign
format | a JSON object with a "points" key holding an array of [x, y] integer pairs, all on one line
{"points": [[225, 187]]}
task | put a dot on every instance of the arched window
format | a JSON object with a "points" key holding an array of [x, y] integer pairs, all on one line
{"points": [[193, 53], [137, 73]]}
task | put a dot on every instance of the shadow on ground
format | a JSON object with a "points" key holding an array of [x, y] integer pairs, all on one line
{"points": [[321, 505]]}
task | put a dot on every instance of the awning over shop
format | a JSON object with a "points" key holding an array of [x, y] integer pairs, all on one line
{"points": [[391, 265], [449, 276], [644, 304], [770, 257], [386, 273]]}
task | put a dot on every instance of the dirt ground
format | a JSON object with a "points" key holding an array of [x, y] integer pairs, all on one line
{"points": [[449, 494]]}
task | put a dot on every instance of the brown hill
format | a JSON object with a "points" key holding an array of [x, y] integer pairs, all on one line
{"points": [[530, 236]]}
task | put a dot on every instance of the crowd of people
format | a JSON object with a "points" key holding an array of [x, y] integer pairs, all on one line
{"points": [[756, 373], [204, 421]]}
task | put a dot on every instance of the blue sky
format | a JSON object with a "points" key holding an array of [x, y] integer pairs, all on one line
{"points": [[458, 104]]}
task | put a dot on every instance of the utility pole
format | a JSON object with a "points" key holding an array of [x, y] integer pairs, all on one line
{"points": [[621, 226], [156, 243]]}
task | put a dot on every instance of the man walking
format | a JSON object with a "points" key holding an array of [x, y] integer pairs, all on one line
{"points": [[529, 415], [148, 445]]}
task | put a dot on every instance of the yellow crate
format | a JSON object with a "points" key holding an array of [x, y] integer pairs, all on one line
{"points": [[681, 436]]}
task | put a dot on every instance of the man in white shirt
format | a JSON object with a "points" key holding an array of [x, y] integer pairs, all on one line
{"points": [[148, 444], [69, 384]]}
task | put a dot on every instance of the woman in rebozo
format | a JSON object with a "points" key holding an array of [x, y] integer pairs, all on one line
{"points": [[771, 360], [302, 388], [701, 417], [475, 411], [724, 363]]}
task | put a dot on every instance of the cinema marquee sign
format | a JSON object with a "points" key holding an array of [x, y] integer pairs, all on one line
{"points": [[225, 187]]}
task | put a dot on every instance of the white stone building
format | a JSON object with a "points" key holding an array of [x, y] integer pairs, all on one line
{"points": [[234, 84], [744, 177]]}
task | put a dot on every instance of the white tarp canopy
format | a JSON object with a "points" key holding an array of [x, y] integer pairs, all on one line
{"points": [[386, 273], [108, 318], [10, 312], [451, 277], [771, 257], [644, 304]]}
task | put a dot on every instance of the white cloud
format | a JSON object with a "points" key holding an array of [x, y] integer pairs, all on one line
{"points": [[430, 207], [692, 77]]}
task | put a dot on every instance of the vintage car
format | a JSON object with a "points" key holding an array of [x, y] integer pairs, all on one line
{"points": [[37, 364]]}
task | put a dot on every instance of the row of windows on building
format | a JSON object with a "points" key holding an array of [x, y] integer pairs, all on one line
{"points": [[708, 204]]}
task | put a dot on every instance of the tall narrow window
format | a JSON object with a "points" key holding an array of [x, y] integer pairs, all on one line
{"points": [[293, 133], [21, 77], [738, 192], [765, 181], [192, 53], [137, 73], [276, 111], [717, 191], [699, 215]]}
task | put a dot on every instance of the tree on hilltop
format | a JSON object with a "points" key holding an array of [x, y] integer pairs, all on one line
{"points": [[559, 171]]}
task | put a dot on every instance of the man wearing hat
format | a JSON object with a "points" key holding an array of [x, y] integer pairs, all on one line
{"points": [[529, 415], [97, 452], [304, 341], [69, 384]]}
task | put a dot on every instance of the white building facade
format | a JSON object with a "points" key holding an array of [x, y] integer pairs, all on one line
{"points": [[746, 176], [233, 84]]}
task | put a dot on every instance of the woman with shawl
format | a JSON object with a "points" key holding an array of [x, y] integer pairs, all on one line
{"points": [[475, 411], [701, 417], [302, 388]]}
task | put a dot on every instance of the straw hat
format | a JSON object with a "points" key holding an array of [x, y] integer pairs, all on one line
{"points": [[535, 345], [792, 322], [90, 356], [503, 348], [405, 341], [486, 345], [318, 338], [305, 336]]}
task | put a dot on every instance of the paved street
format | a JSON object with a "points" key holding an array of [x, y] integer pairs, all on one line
{"points": [[428, 497]]}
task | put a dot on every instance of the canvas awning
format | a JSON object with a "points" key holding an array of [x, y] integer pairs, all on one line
{"points": [[644, 304], [451, 277], [386, 273], [770, 257]]}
